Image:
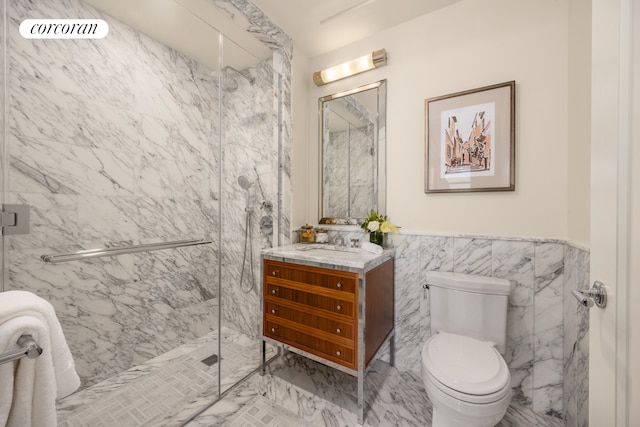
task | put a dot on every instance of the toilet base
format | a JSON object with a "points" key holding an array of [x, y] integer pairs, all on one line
{"points": [[451, 412], [446, 418]]}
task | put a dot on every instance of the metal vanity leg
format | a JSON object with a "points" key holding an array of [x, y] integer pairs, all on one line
{"points": [[392, 350], [264, 357], [361, 397]]}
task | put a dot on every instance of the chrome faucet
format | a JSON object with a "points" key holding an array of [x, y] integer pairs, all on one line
{"points": [[340, 239]]}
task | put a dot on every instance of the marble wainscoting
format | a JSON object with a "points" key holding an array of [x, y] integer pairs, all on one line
{"points": [[576, 339], [546, 345]]}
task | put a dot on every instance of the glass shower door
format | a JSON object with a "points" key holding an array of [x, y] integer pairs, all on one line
{"points": [[249, 190], [113, 143]]}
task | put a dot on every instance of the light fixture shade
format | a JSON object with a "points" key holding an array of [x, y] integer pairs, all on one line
{"points": [[368, 62]]}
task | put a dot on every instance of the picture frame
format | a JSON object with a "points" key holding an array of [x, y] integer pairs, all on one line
{"points": [[470, 140]]}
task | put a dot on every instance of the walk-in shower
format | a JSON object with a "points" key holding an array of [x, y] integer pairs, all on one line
{"points": [[127, 146]]}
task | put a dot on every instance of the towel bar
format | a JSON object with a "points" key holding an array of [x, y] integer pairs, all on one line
{"points": [[95, 253], [29, 348]]}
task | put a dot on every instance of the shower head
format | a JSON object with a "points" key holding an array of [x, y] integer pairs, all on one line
{"points": [[250, 79], [244, 182], [229, 84]]}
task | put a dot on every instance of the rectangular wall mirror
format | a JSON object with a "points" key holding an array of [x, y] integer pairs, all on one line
{"points": [[352, 126]]}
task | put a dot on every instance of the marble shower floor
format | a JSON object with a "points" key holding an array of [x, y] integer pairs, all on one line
{"points": [[166, 390], [299, 392]]}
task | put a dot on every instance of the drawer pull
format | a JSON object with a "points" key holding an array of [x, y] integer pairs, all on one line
{"points": [[274, 272], [338, 353], [338, 285], [338, 307], [273, 330], [338, 331], [274, 310], [274, 291]]}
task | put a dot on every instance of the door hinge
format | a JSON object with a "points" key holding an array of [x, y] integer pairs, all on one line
{"points": [[15, 219]]}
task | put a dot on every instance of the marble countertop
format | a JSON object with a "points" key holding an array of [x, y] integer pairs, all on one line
{"points": [[328, 255]]}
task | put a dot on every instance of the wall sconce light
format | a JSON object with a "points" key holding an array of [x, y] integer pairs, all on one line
{"points": [[368, 62]]}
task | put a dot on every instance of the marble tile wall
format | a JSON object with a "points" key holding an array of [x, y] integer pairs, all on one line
{"points": [[116, 142], [547, 348], [576, 341]]}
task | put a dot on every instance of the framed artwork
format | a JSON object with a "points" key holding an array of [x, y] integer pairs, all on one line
{"points": [[470, 140]]}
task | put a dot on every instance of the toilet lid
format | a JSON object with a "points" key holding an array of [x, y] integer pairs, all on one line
{"points": [[465, 364]]}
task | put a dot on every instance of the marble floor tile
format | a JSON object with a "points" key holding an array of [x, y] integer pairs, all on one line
{"points": [[294, 392]]}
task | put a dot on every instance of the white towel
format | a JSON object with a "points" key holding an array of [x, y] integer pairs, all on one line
{"points": [[29, 387], [372, 247]]}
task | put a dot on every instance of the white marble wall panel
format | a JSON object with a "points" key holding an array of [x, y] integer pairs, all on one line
{"points": [[514, 260], [576, 341], [472, 256], [549, 329], [414, 257], [249, 150], [582, 343]]}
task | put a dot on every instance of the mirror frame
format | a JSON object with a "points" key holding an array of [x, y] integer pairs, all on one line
{"points": [[381, 139]]}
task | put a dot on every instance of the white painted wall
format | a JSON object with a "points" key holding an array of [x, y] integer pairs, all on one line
{"points": [[301, 75], [471, 44], [578, 188]]}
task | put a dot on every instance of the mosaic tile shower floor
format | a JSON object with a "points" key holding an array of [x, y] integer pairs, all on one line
{"points": [[164, 391]]}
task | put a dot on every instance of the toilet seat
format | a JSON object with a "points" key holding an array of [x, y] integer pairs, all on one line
{"points": [[465, 368]]}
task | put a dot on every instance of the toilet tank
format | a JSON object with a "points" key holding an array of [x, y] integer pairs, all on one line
{"points": [[470, 305]]}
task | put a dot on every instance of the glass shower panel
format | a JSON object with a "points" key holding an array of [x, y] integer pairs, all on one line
{"points": [[249, 94], [112, 143]]}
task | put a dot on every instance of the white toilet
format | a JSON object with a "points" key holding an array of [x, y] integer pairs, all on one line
{"points": [[467, 380]]}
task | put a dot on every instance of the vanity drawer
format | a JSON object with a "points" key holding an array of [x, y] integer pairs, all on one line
{"points": [[333, 351], [338, 328], [292, 292], [330, 279]]}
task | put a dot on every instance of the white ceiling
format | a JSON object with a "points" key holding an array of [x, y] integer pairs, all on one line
{"points": [[316, 26], [320, 26], [191, 27]]}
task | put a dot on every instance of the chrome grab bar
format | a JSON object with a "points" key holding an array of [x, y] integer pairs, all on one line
{"points": [[29, 348], [96, 253]]}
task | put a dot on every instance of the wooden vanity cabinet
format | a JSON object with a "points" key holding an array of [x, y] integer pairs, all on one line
{"points": [[315, 310]]}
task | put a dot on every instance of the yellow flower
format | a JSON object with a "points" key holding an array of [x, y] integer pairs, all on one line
{"points": [[387, 227]]}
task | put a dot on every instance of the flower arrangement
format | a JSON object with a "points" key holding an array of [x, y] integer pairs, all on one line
{"points": [[377, 226]]}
